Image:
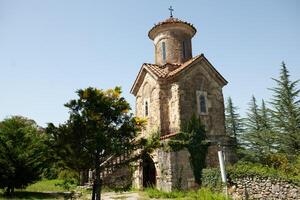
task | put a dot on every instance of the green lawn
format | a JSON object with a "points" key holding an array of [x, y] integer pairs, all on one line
{"points": [[48, 189], [44, 189], [201, 194], [46, 186]]}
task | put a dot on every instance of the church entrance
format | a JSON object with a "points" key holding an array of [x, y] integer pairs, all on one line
{"points": [[149, 172]]}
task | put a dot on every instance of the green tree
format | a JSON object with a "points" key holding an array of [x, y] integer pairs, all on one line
{"points": [[286, 112], [193, 138], [253, 117], [99, 129], [233, 122], [268, 141], [258, 137], [22, 153]]}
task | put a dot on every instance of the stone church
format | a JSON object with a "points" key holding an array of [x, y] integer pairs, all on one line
{"points": [[168, 92]]}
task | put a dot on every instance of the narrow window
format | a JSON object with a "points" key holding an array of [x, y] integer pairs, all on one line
{"points": [[202, 101], [146, 108], [163, 46], [183, 49]]}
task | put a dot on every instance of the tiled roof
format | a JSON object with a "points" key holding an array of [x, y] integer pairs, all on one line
{"points": [[172, 20], [156, 69], [171, 70], [168, 70]]}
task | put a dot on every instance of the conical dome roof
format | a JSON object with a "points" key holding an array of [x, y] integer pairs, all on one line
{"points": [[169, 23]]}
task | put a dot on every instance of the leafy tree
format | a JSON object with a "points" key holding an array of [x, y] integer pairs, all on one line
{"points": [[193, 138], [99, 129], [22, 153], [286, 112], [233, 122]]}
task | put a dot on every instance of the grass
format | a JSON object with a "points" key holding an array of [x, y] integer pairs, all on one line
{"points": [[50, 189], [35, 195], [201, 194], [46, 186], [44, 189]]}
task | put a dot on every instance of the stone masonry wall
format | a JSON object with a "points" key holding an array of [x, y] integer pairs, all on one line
{"points": [[149, 92], [173, 40], [182, 173], [264, 189], [197, 78]]}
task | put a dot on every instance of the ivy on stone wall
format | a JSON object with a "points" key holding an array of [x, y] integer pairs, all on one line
{"points": [[193, 138]]}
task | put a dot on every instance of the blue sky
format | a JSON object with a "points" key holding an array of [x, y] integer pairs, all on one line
{"points": [[51, 48]]}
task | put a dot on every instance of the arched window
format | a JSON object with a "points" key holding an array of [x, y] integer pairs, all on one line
{"points": [[202, 102], [183, 49], [146, 108], [163, 50]]}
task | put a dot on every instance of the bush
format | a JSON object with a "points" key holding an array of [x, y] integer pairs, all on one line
{"points": [[201, 194], [70, 179], [254, 169], [211, 177]]}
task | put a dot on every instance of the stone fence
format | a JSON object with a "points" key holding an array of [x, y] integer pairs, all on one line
{"points": [[263, 188]]}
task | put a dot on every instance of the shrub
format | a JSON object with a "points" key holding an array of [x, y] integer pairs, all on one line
{"points": [[201, 194], [211, 178], [69, 177], [255, 169]]}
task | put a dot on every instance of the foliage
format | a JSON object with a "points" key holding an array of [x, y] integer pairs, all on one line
{"points": [[99, 129], [211, 177], [201, 194], [286, 112], [259, 137], [233, 121], [254, 169], [53, 185], [69, 177], [152, 143], [193, 138], [43, 189], [22, 153], [50, 173], [24, 195]]}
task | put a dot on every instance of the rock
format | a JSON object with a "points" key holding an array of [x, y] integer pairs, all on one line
{"points": [[275, 188], [269, 184], [257, 196]]}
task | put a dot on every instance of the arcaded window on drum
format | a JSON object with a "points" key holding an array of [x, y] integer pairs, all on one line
{"points": [[202, 102], [163, 49]]}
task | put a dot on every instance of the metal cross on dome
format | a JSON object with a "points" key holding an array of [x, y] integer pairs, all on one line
{"points": [[171, 11]]}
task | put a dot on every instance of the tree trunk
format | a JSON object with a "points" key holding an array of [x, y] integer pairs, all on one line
{"points": [[9, 191], [94, 190], [83, 177], [97, 182]]}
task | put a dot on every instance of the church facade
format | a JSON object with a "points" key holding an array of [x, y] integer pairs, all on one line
{"points": [[168, 92]]}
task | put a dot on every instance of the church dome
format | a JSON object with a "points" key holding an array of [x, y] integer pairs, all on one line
{"points": [[172, 40], [167, 23]]}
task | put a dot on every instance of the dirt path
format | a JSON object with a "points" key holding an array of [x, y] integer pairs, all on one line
{"points": [[123, 195]]}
